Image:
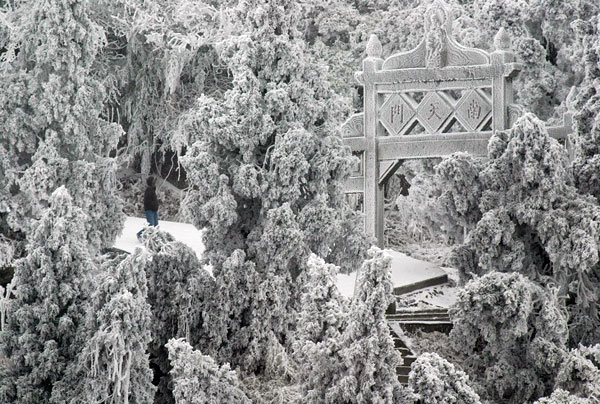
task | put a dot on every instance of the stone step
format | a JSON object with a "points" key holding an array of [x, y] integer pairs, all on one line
{"points": [[416, 318], [402, 370], [425, 312], [409, 360], [404, 351], [398, 343], [433, 310], [441, 326], [403, 379], [427, 320]]}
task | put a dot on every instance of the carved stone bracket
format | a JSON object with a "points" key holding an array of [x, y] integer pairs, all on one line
{"points": [[515, 111], [354, 126]]}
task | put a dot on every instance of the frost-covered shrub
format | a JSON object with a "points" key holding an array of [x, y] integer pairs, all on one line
{"points": [[44, 319], [443, 200], [511, 334], [178, 289], [536, 223], [432, 342], [271, 391], [436, 381], [266, 166], [114, 366], [198, 379], [322, 314], [366, 372], [563, 397], [415, 219], [580, 372], [457, 178], [318, 339]]}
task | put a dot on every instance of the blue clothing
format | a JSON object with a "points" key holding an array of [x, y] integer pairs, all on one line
{"points": [[152, 218]]}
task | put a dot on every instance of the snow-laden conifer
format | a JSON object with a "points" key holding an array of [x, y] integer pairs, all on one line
{"points": [[170, 63], [51, 106], [563, 397], [457, 177], [436, 381], [321, 322], [512, 334], [114, 366], [178, 287], [367, 358], [266, 164], [198, 379], [580, 372], [44, 319], [536, 223], [586, 106]]}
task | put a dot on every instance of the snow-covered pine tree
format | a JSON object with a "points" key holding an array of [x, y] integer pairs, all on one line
{"points": [[580, 373], [318, 339], [42, 333], [198, 379], [51, 106], [178, 290], [586, 104], [367, 358], [159, 59], [563, 397], [457, 177], [512, 335], [114, 365], [434, 380], [266, 164], [536, 223]]}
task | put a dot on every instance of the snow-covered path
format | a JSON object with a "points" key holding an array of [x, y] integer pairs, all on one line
{"points": [[186, 233], [405, 270]]}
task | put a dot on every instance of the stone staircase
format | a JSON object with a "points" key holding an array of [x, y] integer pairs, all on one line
{"points": [[408, 358], [427, 320]]}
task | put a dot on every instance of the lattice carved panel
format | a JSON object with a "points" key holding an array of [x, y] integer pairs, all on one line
{"points": [[434, 110], [473, 110], [397, 113]]}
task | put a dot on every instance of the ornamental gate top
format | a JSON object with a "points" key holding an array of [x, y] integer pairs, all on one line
{"points": [[434, 100]]}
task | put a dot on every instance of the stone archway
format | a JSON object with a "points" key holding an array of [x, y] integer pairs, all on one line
{"points": [[432, 101]]}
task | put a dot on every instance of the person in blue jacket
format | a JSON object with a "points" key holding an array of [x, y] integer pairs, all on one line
{"points": [[150, 205]]}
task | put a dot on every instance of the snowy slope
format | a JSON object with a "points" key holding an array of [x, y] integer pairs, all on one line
{"points": [[405, 270]]}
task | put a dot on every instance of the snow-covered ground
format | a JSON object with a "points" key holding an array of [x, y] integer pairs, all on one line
{"points": [[405, 270], [184, 232], [442, 297]]}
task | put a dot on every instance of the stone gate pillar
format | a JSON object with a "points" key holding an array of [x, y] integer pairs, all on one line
{"points": [[373, 192]]}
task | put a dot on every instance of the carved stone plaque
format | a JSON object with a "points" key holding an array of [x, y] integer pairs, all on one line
{"points": [[395, 114], [433, 112], [473, 110]]}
